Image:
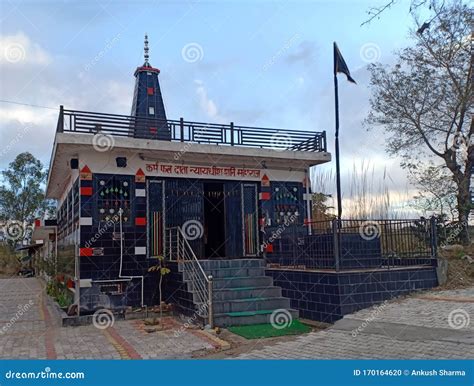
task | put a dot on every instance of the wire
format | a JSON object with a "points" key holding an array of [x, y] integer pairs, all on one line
{"points": [[27, 104]]}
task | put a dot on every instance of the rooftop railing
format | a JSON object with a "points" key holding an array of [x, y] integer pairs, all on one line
{"points": [[185, 131]]}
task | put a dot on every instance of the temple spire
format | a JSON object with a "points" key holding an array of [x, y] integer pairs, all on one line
{"points": [[146, 64], [148, 102]]}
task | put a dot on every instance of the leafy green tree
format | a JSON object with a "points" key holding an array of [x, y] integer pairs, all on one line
{"points": [[425, 101], [22, 197]]}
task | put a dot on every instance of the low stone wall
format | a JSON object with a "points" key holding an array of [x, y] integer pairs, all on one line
{"points": [[328, 296]]}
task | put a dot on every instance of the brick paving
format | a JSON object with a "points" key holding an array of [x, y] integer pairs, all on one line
{"points": [[29, 329], [435, 325], [418, 327]]}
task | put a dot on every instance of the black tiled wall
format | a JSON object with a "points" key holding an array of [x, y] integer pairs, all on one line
{"points": [[327, 297]]}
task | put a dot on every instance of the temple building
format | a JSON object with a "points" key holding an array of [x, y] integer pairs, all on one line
{"points": [[130, 188], [226, 206]]}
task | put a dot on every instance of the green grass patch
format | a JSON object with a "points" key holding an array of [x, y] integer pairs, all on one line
{"points": [[258, 331]]}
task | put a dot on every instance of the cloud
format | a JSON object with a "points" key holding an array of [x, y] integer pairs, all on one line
{"points": [[206, 104], [33, 81], [305, 53], [18, 49]]}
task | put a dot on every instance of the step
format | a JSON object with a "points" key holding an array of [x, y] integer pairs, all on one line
{"points": [[236, 282], [228, 319], [230, 272], [246, 293], [251, 304], [234, 263]]}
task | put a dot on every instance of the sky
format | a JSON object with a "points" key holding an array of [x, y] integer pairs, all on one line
{"points": [[256, 63]]}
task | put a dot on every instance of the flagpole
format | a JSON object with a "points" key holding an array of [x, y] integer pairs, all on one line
{"points": [[338, 167]]}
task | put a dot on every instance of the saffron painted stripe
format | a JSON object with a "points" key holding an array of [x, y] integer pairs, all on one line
{"points": [[85, 251], [140, 221], [86, 191], [264, 196]]}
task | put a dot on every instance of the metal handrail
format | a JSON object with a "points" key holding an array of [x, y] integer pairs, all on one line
{"points": [[184, 254]]}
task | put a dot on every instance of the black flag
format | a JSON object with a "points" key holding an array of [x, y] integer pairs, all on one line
{"points": [[340, 64]]}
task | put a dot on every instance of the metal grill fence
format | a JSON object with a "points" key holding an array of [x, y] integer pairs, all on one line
{"points": [[354, 244]]}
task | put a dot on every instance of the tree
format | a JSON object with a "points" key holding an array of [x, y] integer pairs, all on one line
{"points": [[163, 271], [22, 197], [436, 190], [377, 11], [425, 101]]}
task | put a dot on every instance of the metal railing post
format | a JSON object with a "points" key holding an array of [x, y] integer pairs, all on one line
{"points": [[336, 235], [232, 133], [170, 247], [434, 237], [60, 127], [181, 129], [211, 308]]}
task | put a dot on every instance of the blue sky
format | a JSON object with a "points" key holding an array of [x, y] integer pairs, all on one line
{"points": [[258, 63]]}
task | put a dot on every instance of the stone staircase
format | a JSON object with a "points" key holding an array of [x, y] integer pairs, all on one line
{"points": [[242, 294]]}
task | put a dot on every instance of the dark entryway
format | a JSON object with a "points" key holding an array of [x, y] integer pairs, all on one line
{"points": [[214, 220]]}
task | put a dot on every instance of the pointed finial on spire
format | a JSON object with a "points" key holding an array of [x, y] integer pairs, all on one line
{"points": [[147, 64]]}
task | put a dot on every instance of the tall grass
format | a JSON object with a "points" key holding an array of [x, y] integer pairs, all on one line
{"points": [[366, 194]]}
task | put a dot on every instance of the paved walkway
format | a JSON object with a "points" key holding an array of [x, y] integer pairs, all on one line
{"points": [[29, 329], [435, 325]]}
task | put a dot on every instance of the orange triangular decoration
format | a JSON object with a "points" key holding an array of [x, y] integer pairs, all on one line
{"points": [[265, 180], [85, 173], [139, 176]]}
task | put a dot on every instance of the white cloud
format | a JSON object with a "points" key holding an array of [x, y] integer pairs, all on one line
{"points": [[18, 49], [207, 104]]}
